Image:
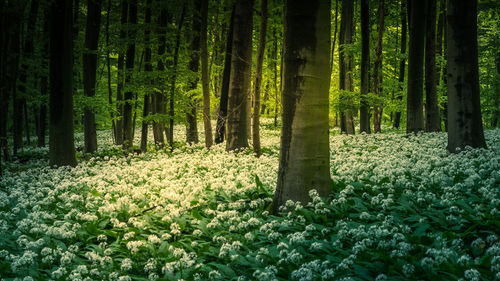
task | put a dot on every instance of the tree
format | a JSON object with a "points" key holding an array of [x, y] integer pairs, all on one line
{"points": [[432, 120], [258, 78], [377, 67], [148, 68], [465, 127], [239, 85], [204, 75], [89, 72], [304, 153], [128, 125], [346, 63], [414, 104], [120, 78], [402, 62], [364, 117], [61, 137], [158, 107]]}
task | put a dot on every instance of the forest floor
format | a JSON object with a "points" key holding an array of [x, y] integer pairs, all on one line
{"points": [[402, 208]]}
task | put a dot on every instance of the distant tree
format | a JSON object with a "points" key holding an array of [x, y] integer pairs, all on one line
{"points": [[158, 107], [377, 68], [148, 68], [465, 127], [364, 117], [128, 125], [61, 137], [89, 72], [346, 62], [402, 61], [204, 75], [239, 86], [120, 72], [432, 120]]}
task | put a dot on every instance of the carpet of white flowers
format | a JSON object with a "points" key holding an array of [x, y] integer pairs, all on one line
{"points": [[402, 208]]}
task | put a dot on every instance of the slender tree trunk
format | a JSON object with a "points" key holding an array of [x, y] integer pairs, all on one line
{"points": [[275, 66], [204, 75], [414, 105], [89, 72], [158, 98], [377, 67], [121, 70], [129, 95], [148, 68], [402, 62], [432, 120], [346, 61], [465, 127], [440, 42], [220, 129], [239, 89], [258, 78], [108, 65], [334, 35], [61, 138], [364, 117], [304, 152]]}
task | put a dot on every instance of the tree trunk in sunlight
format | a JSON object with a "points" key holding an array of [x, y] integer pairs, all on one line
{"points": [[304, 153], [465, 127]]}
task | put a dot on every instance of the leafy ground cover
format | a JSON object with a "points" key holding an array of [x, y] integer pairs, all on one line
{"points": [[402, 208]]}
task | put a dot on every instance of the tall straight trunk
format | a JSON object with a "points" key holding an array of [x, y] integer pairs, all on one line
{"points": [[27, 132], [364, 117], [204, 75], [334, 36], [121, 70], [496, 112], [148, 68], [432, 120], [44, 84], [89, 72], [414, 104], [440, 30], [220, 129], [158, 104], [377, 67], [239, 86], [346, 62], [465, 127], [194, 65], [258, 78], [61, 137], [129, 95], [304, 152], [402, 62], [171, 110], [275, 70], [108, 65], [445, 74]]}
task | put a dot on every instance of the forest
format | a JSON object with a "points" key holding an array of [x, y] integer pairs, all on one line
{"points": [[249, 140]]}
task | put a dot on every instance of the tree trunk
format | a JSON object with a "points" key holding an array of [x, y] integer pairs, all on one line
{"points": [[377, 67], [432, 120], [148, 68], [220, 129], [119, 85], [239, 89], [129, 95], [414, 105], [89, 72], [258, 78], [402, 62], [345, 61], [334, 35], [108, 65], [496, 112], [465, 127], [364, 117], [204, 75], [61, 137], [304, 153]]}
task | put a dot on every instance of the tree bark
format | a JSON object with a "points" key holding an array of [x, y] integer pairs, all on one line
{"points": [[496, 112], [89, 72], [220, 129], [465, 127], [346, 62], [120, 78], [148, 68], [258, 78], [402, 62], [414, 105], [334, 35], [304, 153], [432, 120], [239, 89], [364, 117], [61, 137], [377, 67], [204, 76], [129, 95], [108, 65]]}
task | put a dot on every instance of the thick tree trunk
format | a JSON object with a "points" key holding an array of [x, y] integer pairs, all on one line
{"points": [[304, 154], [414, 105], [432, 120], [129, 95], [346, 62], [364, 117], [377, 67], [402, 62], [258, 78], [220, 129], [61, 137], [239, 89], [89, 72], [204, 75], [121, 70], [465, 127]]}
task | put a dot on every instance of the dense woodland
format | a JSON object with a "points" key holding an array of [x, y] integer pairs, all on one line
{"points": [[277, 91]]}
